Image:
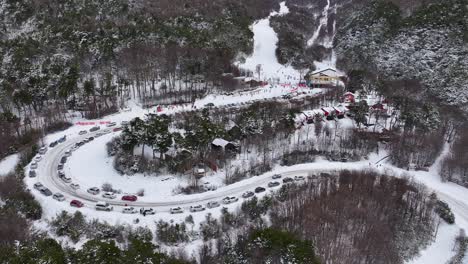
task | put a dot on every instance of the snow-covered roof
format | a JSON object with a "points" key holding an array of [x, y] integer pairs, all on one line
{"points": [[220, 142], [327, 72]]}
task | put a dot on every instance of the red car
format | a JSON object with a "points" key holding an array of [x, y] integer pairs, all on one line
{"points": [[117, 129], [130, 198], [76, 203]]}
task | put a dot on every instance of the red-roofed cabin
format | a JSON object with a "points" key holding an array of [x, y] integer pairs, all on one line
{"points": [[329, 112], [340, 113], [349, 97], [379, 107]]}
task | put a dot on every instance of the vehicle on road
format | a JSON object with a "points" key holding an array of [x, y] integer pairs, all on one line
{"points": [[299, 178], [65, 178], [129, 210], [82, 132], [106, 131], [103, 206], [259, 189], [276, 176], [75, 147], [76, 203], [45, 191], [67, 153], [94, 128], [248, 194], [43, 150], [131, 198], [93, 190], [38, 158], [38, 185], [117, 129], [212, 204], [32, 174], [176, 210], [197, 208], [59, 197], [111, 124], [273, 184], [75, 186], [147, 211], [60, 166], [231, 199], [63, 160], [109, 195], [33, 165], [62, 139], [53, 144], [124, 123], [288, 180]]}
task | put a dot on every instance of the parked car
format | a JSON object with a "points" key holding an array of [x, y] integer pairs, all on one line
{"points": [[106, 131], [129, 210], [60, 166], [32, 173], [228, 200], [197, 208], [45, 191], [109, 195], [247, 194], [62, 139], [76, 203], [33, 165], [117, 129], [212, 204], [65, 178], [124, 123], [94, 128], [43, 150], [288, 180], [82, 132], [63, 160], [38, 185], [273, 184], [299, 178], [131, 198], [53, 144], [59, 197], [75, 186], [276, 176], [67, 153], [147, 211], [259, 189], [93, 190], [176, 210], [103, 206], [111, 124]]}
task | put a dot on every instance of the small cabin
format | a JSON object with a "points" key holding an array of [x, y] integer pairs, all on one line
{"points": [[349, 98], [222, 144]]}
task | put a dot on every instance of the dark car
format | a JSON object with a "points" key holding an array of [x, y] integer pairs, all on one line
{"points": [[96, 128], [76, 203], [288, 180], [247, 194], [60, 166], [63, 160], [131, 198], [90, 139], [45, 191], [259, 189], [53, 144], [32, 173]]}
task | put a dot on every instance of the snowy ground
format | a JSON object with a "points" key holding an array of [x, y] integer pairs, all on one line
{"points": [[8, 164]]}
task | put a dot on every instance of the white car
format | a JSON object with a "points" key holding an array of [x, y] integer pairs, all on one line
{"points": [[276, 176], [124, 123], [176, 210], [75, 186], [197, 208], [74, 148], [212, 204], [68, 153], [129, 210], [33, 165], [93, 190], [229, 200], [111, 124], [59, 197], [248, 194], [64, 177], [147, 211], [43, 150], [82, 132], [106, 131], [38, 185], [299, 178], [109, 195], [103, 206]]}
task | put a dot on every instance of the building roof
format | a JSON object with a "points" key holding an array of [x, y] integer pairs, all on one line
{"points": [[326, 72]]}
